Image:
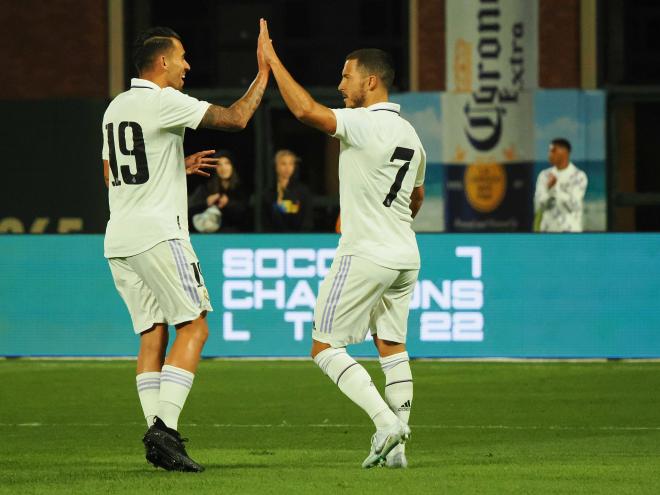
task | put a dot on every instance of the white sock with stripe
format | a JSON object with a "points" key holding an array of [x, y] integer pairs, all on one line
{"points": [[175, 383], [398, 387], [354, 381], [398, 384], [148, 388]]}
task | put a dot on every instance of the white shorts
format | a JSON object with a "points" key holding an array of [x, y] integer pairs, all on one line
{"points": [[357, 296], [161, 285]]}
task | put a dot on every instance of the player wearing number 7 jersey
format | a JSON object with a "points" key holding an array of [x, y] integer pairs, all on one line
{"points": [[153, 264], [371, 280]]}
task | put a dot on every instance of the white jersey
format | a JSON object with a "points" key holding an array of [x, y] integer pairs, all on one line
{"points": [[381, 160], [143, 131], [562, 204]]}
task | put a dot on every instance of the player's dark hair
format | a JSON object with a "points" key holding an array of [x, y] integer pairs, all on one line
{"points": [[376, 62], [151, 43], [562, 143]]}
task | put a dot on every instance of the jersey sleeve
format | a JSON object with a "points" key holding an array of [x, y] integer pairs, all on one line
{"points": [[352, 126], [180, 110], [421, 170]]}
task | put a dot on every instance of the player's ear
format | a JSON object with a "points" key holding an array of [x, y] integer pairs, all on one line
{"points": [[372, 82]]}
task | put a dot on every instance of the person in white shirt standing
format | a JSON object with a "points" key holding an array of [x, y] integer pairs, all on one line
{"points": [[147, 244], [559, 195], [371, 280]]}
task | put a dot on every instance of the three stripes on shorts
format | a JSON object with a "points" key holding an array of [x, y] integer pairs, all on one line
{"points": [[183, 268], [335, 293]]}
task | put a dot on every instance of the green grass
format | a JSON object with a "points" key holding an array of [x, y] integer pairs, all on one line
{"points": [[282, 427]]}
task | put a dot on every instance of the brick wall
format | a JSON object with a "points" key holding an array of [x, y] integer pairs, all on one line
{"points": [[431, 33], [54, 49], [559, 44]]}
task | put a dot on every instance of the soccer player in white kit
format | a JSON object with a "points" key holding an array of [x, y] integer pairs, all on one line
{"points": [[371, 280], [153, 264]]}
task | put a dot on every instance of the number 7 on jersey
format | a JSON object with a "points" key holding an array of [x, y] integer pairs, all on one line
{"points": [[401, 154]]}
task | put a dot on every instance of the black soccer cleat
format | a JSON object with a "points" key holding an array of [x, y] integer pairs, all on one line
{"points": [[164, 448]]}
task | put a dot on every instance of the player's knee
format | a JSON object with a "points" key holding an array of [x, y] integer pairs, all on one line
{"points": [[196, 330], [201, 333], [388, 347], [318, 347]]}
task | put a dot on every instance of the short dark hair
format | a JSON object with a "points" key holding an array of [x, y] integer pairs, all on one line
{"points": [[377, 62], [562, 143], [150, 44]]}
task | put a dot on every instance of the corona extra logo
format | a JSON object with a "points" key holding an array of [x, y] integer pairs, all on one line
{"points": [[485, 186]]}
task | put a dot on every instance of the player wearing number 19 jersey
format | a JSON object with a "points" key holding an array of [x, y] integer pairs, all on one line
{"points": [[153, 264], [371, 280]]}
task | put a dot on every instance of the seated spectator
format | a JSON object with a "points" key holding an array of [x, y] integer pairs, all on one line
{"points": [[219, 203], [287, 207]]}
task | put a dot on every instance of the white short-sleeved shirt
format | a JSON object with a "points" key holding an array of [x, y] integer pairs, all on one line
{"points": [[143, 131], [381, 160]]}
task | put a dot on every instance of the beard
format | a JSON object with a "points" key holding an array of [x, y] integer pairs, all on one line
{"points": [[357, 101]]}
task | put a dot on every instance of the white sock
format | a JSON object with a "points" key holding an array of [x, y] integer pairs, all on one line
{"points": [[398, 387], [398, 384], [148, 388], [354, 381], [175, 383]]}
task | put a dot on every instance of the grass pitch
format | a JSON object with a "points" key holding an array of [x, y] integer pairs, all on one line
{"points": [[283, 427]]}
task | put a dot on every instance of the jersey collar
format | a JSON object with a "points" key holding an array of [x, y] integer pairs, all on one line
{"points": [[386, 106], [143, 83]]}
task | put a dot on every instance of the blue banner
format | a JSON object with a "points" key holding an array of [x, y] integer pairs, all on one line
{"points": [[478, 295]]}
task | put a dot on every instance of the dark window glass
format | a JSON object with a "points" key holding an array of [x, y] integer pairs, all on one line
{"points": [[312, 38]]}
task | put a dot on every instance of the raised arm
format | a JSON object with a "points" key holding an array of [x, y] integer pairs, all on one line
{"points": [[299, 101], [237, 116]]}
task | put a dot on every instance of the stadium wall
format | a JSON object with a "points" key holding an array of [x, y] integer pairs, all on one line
{"points": [[479, 295]]}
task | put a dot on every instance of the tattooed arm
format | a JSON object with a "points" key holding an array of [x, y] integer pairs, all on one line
{"points": [[236, 117]]}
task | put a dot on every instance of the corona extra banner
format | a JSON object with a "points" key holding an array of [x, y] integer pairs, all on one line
{"points": [[488, 114]]}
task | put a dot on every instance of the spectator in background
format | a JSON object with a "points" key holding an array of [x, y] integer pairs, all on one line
{"points": [[219, 203], [559, 195], [287, 207]]}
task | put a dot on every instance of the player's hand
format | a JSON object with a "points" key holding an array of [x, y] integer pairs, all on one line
{"points": [[552, 180], [222, 201], [261, 61], [212, 199], [197, 162], [265, 45]]}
